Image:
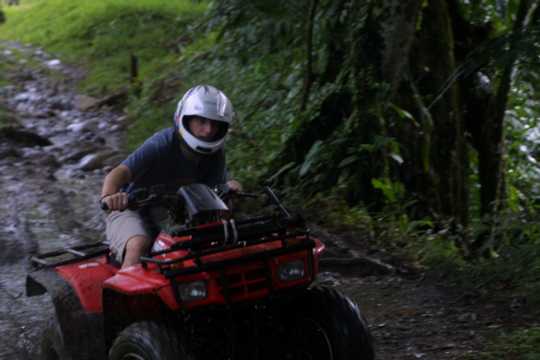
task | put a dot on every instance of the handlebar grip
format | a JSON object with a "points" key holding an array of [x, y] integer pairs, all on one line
{"points": [[103, 205]]}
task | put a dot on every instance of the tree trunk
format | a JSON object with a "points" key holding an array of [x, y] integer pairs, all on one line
{"points": [[443, 129], [492, 149], [380, 57], [398, 23]]}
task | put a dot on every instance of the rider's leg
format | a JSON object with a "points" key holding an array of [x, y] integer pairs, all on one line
{"points": [[128, 236], [136, 246]]}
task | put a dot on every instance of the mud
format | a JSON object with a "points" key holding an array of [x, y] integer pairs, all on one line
{"points": [[49, 193]]}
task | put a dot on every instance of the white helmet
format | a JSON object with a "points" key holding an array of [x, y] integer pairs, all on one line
{"points": [[208, 102]]}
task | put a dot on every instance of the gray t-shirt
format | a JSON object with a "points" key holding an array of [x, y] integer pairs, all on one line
{"points": [[160, 160]]}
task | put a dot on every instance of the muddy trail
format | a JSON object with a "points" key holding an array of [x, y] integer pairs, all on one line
{"points": [[54, 152]]}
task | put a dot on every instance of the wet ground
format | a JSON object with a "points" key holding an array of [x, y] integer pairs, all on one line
{"points": [[52, 153], [54, 150]]}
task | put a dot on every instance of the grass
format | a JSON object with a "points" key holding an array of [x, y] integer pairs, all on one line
{"points": [[521, 344], [102, 35]]}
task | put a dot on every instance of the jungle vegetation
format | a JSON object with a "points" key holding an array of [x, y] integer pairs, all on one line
{"points": [[415, 122]]}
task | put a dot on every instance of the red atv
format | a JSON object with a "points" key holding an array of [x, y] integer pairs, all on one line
{"points": [[213, 287]]}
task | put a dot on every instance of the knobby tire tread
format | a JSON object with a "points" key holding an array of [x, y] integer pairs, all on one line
{"points": [[341, 318], [155, 340]]}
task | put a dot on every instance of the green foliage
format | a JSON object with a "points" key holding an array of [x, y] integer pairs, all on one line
{"points": [[523, 174], [310, 158], [392, 191], [516, 268], [262, 78], [521, 344], [103, 34]]}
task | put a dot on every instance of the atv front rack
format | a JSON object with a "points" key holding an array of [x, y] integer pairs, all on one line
{"points": [[229, 236], [70, 254], [215, 265]]}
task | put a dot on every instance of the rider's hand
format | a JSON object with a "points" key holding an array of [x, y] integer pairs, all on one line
{"points": [[118, 201], [234, 186]]}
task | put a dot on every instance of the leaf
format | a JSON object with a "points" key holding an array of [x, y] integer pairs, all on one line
{"points": [[397, 158], [391, 190], [404, 114], [377, 184], [281, 171], [347, 161], [367, 147], [306, 165], [310, 157]]}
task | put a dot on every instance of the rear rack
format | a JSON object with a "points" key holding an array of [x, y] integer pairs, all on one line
{"points": [[70, 254]]}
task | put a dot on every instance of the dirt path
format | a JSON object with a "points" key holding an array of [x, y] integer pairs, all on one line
{"points": [[51, 167], [52, 155], [418, 315]]}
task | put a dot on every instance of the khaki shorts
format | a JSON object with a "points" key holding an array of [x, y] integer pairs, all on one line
{"points": [[122, 226]]}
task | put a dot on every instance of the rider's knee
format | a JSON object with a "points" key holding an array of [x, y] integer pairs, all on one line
{"points": [[138, 243]]}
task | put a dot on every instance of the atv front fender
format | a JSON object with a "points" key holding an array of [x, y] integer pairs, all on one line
{"points": [[82, 331]]}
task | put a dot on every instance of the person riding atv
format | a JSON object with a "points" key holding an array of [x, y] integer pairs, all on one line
{"points": [[211, 284], [190, 152], [216, 286]]}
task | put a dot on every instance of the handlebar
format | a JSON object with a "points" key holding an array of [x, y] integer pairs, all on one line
{"points": [[158, 195], [144, 197]]}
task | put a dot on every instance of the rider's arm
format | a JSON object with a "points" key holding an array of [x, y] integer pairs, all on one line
{"points": [[137, 162], [118, 177]]}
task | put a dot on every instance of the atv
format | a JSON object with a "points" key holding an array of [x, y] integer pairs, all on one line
{"points": [[215, 285]]}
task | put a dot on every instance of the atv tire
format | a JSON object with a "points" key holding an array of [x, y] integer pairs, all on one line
{"points": [[52, 341], [327, 325], [149, 341]]}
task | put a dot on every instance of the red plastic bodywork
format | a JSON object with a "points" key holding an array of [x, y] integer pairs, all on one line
{"points": [[87, 278], [247, 280]]}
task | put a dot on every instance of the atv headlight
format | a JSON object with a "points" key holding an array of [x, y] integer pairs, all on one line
{"points": [[293, 270], [195, 290]]}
